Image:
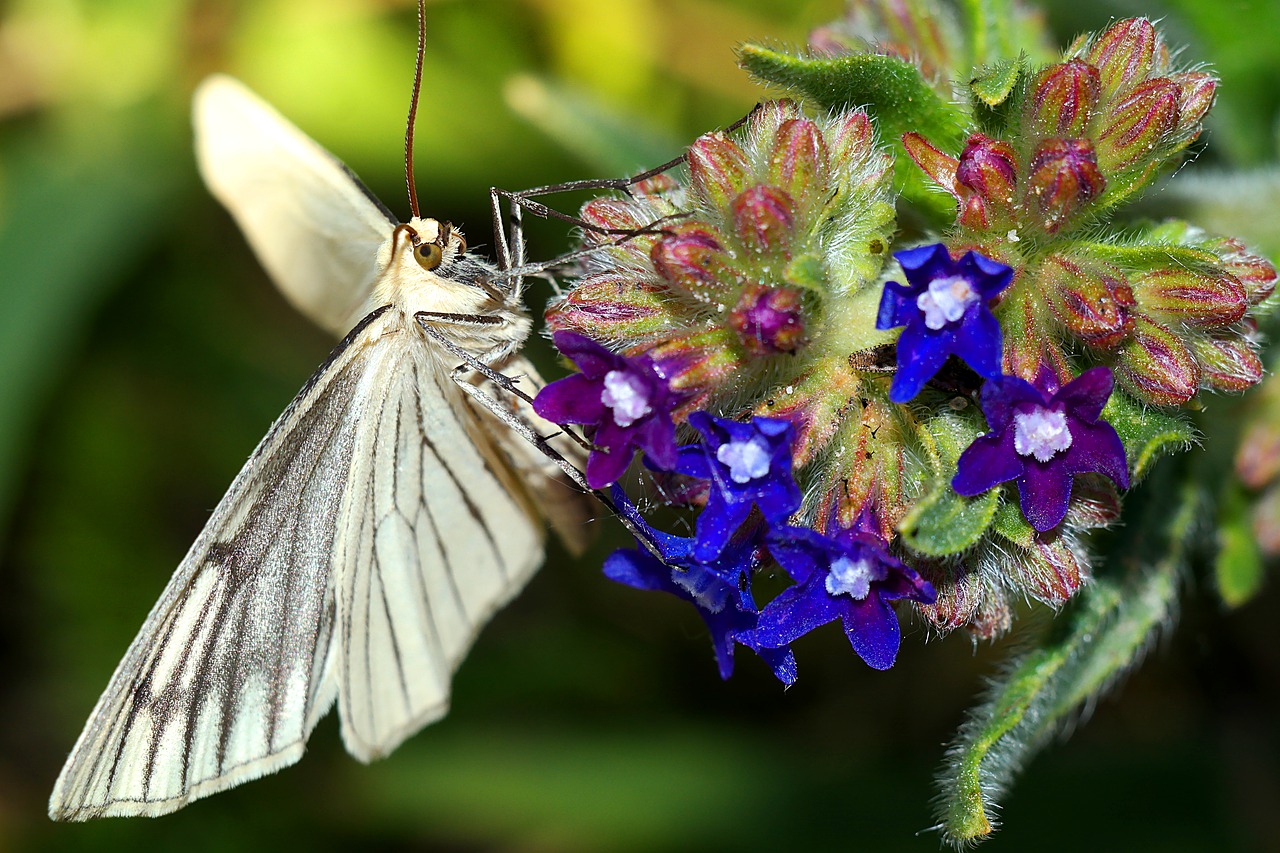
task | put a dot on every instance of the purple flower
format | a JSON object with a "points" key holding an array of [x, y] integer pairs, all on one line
{"points": [[748, 465], [944, 308], [625, 399], [719, 588], [1043, 438], [849, 576]]}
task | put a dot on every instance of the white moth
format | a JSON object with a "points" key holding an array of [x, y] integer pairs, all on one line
{"points": [[379, 524]]}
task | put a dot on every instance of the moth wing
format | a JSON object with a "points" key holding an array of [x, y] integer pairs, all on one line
{"points": [[439, 533], [235, 664], [310, 221]]}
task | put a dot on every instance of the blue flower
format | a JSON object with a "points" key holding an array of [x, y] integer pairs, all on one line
{"points": [[849, 576], [1043, 437], [944, 308], [625, 399], [748, 465], [719, 588]]}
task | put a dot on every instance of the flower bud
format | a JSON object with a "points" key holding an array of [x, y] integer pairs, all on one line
{"points": [[763, 218], [770, 115], [1228, 363], [1095, 502], [1196, 91], [988, 172], [1048, 570], [1064, 179], [1093, 303], [853, 139], [1256, 274], [717, 169], [797, 157], [1063, 99], [1192, 298], [609, 307], [1156, 366], [1124, 54], [694, 364], [940, 167], [1136, 127], [693, 260], [768, 320]]}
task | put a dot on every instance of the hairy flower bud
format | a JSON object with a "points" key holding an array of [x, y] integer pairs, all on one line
{"points": [[1256, 274], [1125, 54], [717, 168], [1063, 99], [1196, 92], [1139, 125], [1229, 363], [1064, 179], [1093, 302], [769, 320], [610, 307], [693, 261], [763, 218], [796, 158], [1191, 298], [987, 174], [1156, 366]]}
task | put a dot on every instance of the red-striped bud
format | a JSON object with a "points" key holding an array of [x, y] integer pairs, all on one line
{"points": [[763, 218], [1093, 301], [1139, 125], [717, 169], [1063, 100], [1064, 179], [1191, 298], [1155, 365], [797, 157], [1125, 54]]}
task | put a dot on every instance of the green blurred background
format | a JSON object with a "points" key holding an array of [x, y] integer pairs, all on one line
{"points": [[143, 354]]}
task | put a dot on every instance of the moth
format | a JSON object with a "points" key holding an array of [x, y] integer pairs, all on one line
{"points": [[394, 506]]}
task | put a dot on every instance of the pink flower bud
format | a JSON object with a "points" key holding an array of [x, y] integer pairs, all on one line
{"points": [[1196, 91], [1063, 99], [797, 157], [853, 139], [1092, 302], [1256, 274], [1229, 363], [1156, 366], [717, 169], [1050, 570], [1094, 503], [693, 260], [1124, 54], [609, 307], [763, 218], [1192, 298], [1138, 125], [940, 167], [768, 320], [989, 168], [1064, 179]]}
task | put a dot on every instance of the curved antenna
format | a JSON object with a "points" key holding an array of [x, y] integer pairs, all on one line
{"points": [[413, 110]]}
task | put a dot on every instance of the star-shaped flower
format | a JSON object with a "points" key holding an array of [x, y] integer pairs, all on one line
{"points": [[625, 399], [719, 588], [1043, 438], [849, 576], [748, 464], [944, 308]]}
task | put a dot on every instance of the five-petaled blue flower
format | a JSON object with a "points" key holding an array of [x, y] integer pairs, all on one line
{"points": [[748, 465], [625, 399], [1043, 438], [849, 576], [944, 308], [719, 588]]}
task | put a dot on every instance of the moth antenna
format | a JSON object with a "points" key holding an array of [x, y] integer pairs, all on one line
{"points": [[413, 110]]}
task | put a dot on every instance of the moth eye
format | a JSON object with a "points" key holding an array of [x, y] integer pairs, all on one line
{"points": [[428, 255]]}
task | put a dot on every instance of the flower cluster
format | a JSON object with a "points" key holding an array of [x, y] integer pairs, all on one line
{"points": [[942, 423]]}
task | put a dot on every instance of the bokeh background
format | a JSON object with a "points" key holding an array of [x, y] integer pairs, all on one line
{"points": [[143, 353]]}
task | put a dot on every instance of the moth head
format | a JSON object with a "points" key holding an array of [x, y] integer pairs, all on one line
{"points": [[434, 246]]}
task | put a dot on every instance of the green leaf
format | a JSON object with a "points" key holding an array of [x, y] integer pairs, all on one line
{"points": [[894, 94], [941, 522], [1147, 433], [1238, 567], [1105, 632]]}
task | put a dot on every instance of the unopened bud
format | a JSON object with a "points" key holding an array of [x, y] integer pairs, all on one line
{"points": [[1137, 126], [853, 139], [797, 157], [609, 306], [1093, 302], [693, 261], [1256, 274], [763, 218], [769, 320], [1049, 570], [1125, 54], [1155, 365], [1064, 179], [1228, 363], [1063, 100], [1192, 298], [1196, 91], [717, 169]]}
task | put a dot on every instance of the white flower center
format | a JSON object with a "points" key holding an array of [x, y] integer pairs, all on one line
{"points": [[1042, 433], [946, 300], [747, 460], [850, 576], [625, 393]]}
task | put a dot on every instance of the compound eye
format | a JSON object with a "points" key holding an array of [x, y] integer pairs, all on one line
{"points": [[428, 255]]}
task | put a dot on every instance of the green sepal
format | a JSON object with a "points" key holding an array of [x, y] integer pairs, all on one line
{"points": [[941, 522], [1238, 567], [1148, 433], [895, 95], [1145, 256]]}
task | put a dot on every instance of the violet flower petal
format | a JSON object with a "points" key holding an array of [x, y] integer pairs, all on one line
{"points": [[1044, 490], [987, 462], [872, 628]]}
